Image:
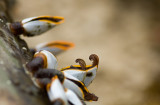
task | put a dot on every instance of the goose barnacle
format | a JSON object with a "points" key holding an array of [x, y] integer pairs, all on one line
{"points": [[34, 25]]}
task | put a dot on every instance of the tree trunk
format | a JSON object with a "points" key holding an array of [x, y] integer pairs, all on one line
{"points": [[16, 88]]}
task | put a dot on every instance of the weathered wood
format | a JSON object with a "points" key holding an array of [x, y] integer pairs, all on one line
{"points": [[16, 87]]}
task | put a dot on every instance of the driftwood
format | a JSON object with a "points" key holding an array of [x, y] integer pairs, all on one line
{"points": [[16, 88]]}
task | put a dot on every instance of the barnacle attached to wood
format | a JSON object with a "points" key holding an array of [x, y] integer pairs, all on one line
{"points": [[55, 47], [72, 97], [62, 85], [84, 73], [35, 25], [56, 92], [79, 88], [42, 59]]}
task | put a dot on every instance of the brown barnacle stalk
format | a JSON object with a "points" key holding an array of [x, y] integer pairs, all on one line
{"points": [[95, 59], [16, 28], [82, 63], [35, 64]]}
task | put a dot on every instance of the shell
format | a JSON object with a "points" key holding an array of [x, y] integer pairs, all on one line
{"points": [[84, 73], [38, 25], [72, 97], [49, 59], [72, 86], [55, 47], [78, 88], [91, 74], [35, 25], [86, 76], [56, 91]]}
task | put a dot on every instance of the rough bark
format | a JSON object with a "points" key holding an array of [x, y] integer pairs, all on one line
{"points": [[16, 87]]}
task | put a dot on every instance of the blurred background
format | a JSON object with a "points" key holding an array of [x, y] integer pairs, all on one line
{"points": [[125, 34]]}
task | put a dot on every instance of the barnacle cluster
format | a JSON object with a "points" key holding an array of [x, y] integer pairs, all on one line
{"points": [[67, 86]]}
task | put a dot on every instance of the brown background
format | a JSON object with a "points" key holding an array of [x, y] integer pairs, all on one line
{"points": [[123, 33]]}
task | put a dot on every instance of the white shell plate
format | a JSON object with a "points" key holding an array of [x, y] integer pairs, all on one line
{"points": [[56, 91]]}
